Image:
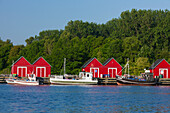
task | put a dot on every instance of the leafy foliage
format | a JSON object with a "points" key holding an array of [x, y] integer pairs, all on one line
{"points": [[141, 35]]}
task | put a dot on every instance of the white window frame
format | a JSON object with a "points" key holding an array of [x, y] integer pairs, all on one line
{"points": [[94, 73], [41, 71], [163, 71], [112, 71], [21, 70]]}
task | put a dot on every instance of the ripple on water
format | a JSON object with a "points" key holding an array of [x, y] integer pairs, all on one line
{"points": [[84, 99]]}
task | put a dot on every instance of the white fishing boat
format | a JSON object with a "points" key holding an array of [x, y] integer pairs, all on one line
{"points": [[31, 80], [84, 78]]}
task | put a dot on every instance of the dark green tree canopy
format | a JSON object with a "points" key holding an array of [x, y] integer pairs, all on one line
{"points": [[143, 36]]}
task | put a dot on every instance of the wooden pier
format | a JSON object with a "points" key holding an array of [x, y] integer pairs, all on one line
{"points": [[45, 80], [101, 81], [107, 81], [2, 79], [164, 81]]}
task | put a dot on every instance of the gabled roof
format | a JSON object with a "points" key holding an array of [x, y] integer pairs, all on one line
{"points": [[40, 58], [19, 59], [156, 63], [108, 60], [89, 61]]}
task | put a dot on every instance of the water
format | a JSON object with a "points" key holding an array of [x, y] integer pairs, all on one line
{"points": [[78, 99]]}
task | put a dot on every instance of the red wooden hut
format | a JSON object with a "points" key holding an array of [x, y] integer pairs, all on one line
{"points": [[112, 67], [160, 67], [94, 66], [41, 68], [21, 67]]}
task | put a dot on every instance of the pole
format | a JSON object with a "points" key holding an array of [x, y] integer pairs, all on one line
{"points": [[64, 66], [128, 65]]}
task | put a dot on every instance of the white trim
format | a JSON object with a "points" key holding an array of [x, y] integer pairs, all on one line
{"points": [[94, 73], [21, 70], [19, 59], [112, 70], [41, 71], [39, 59], [163, 72]]}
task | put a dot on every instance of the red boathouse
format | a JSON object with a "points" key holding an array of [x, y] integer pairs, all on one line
{"points": [[21, 67], [41, 68], [112, 67], [94, 66], [160, 67]]}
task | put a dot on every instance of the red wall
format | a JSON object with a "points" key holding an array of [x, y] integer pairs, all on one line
{"points": [[113, 64], [41, 63], [102, 69], [22, 62], [163, 64], [94, 64]]}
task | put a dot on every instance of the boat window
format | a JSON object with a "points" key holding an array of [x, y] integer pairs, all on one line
{"points": [[87, 75], [84, 74]]}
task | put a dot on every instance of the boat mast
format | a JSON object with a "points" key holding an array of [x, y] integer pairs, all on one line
{"points": [[128, 65], [12, 71], [64, 66]]}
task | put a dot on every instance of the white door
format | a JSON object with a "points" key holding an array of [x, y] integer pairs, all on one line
{"points": [[40, 71], [95, 72], [164, 72], [112, 72], [22, 71]]}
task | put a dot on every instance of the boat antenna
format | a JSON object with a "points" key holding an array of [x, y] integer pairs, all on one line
{"points": [[64, 66], [128, 65]]}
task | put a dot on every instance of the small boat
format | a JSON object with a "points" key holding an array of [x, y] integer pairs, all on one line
{"points": [[84, 78], [144, 81], [30, 81]]}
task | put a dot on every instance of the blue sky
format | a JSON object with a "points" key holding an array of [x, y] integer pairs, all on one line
{"points": [[21, 19]]}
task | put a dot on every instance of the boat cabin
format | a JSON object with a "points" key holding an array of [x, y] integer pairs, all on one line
{"points": [[86, 75]]}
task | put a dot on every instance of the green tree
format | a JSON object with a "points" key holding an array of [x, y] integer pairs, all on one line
{"points": [[141, 64]]}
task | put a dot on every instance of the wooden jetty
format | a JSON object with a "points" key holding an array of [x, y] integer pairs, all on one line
{"points": [[164, 81], [107, 81], [2, 79], [45, 80]]}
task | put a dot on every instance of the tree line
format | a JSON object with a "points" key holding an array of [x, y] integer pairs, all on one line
{"points": [[143, 36]]}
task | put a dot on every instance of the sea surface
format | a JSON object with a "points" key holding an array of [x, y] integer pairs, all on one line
{"points": [[84, 99]]}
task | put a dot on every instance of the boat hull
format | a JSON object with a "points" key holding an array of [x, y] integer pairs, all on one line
{"points": [[72, 82], [121, 81], [21, 82]]}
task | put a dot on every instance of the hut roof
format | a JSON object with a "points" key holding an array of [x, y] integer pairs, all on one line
{"points": [[20, 59], [108, 60], [157, 62], [39, 59], [88, 62]]}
